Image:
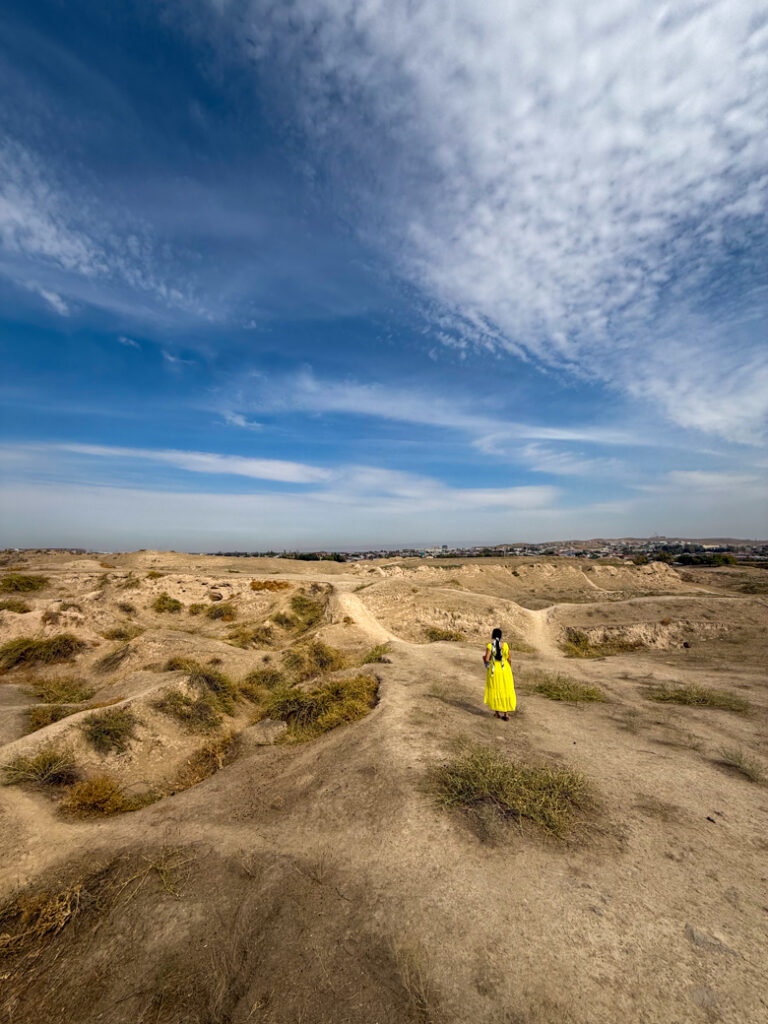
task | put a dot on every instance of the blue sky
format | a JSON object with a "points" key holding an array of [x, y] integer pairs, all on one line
{"points": [[340, 274]]}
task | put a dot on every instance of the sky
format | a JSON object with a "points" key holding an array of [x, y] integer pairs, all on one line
{"points": [[331, 274]]}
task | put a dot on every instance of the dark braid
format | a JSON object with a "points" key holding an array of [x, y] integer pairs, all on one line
{"points": [[496, 641]]}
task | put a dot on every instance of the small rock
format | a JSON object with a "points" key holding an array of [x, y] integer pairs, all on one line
{"points": [[705, 940], [214, 596]]}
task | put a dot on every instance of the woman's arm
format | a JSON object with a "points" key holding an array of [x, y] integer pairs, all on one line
{"points": [[486, 657]]}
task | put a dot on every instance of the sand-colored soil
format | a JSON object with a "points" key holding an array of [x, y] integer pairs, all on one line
{"points": [[321, 882]]}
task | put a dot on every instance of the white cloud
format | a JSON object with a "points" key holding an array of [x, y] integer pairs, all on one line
{"points": [[568, 182], [128, 342], [236, 419], [57, 304]]}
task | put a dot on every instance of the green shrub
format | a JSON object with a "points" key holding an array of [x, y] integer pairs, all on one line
{"points": [[313, 659], [16, 583], [482, 779], [376, 654], [311, 713], [197, 714], [165, 603], [434, 633], [560, 687], [29, 651], [110, 730], [697, 696], [14, 604], [49, 766], [307, 610]]}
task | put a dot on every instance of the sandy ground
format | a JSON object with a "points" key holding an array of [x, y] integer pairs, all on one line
{"points": [[321, 882]]}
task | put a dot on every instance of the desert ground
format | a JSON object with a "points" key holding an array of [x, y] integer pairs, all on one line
{"points": [[227, 792]]}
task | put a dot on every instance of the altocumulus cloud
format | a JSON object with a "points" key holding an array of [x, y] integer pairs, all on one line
{"points": [[579, 184]]}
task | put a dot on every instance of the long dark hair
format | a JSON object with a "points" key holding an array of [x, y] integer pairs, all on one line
{"points": [[496, 641]]}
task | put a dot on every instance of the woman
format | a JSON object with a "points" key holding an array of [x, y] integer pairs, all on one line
{"points": [[499, 684]]}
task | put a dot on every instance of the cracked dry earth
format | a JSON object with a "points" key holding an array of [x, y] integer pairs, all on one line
{"points": [[321, 881]]}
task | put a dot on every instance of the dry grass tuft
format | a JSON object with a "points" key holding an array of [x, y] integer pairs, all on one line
{"points": [[15, 604], [482, 779], [112, 661], [434, 633], [257, 685], [49, 766], [124, 633], [16, 583], [697, 696], [110, 730], [269, 585], [250, 636], [46, 714], [65, 690], [197, 714], [102, 795], [207, 760], [197, 608], [224, 691], [561, 687], [308, 611], [153, 574], [30, 651], [178, 663], [165, 603], [376, 654], [225, 611], [313, 659], [739, 761], [126, 607], [577, 644], [130, 582], [311, 713]]}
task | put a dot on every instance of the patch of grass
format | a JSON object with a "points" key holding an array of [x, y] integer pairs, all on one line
{"points": [[560, 687], [269, 585], [697, 696], [225, 611], [112, 661], [577, 644], [102, 795], [126, 607], [46, 714], [376, 654], [735, 758], [258, 683], [110, 731], [307, 610], [178, 663], [224, 691], [481, 779], [207, 760], [313, 659], [197, 608], [130, 582], [15, 604], [30, 651], [65, 690], [434, 633], [250, 636], [311, 713], [49, 766], [70, 606], [16, 583], [122, 633], [153, 574], [197, 714], [165, 603], [281, 619]]}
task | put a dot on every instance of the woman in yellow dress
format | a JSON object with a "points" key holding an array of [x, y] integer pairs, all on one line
{"points": [[499, 683]]}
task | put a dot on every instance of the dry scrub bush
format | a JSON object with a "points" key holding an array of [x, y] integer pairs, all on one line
{"points": [[197, 608], [561, 687], [376, 654], [102, 795], [126, 607], [209, 759], [308, 611], [577, 644], [70, 606], [110, 730], [283, 620], [225, 611], [735, 758], [30, 651], [129, 583], [49, 766], [46, 714], [434, 633], [269, 585], [165, 603], [178, 663], [197, 714], [223, 689], [15, 604], [482, 779], [313, 659], [257, 684], [16, 583], [311, 713], [124, 633], [153, 574], [697, 696], [64, 690], [250, 636], [112, 661]]}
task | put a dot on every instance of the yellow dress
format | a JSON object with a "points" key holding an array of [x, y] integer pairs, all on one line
{"points": [[499, 683]]}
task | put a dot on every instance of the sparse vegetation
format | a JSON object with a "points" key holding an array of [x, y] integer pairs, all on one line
{"points": [[50, 617], [197, 608], [209, 759], [577, 644], [30, 651], [165, 603], [64, 690], [561, 687], [313, 712], [736, 759], [49, 766], [122, 633], [225, 611], [257, 684], [481, 779], [224, 691], [14, 604], [283, 620], [46, 714], [16, 583], [110, 731], [376, 654], [112, 661], [250, 636], [435, 633], [313, 659], [153, 574], [308, 610], [269, 585], [102, 795], [178, 663], [126, 607], [70, 606], [130, 582], [197, 714], [697, 696]]}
